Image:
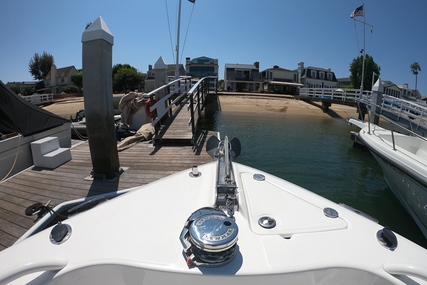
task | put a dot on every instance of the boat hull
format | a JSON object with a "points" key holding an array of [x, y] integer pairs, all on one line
{"points": [[15, 152], [403, 160], [135, 239], [410, 193]]}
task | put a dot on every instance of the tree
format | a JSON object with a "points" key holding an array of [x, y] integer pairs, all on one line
{"points": [[220, 85], [40, 65], [77, 79], [126, 77], [415, 67], [356, 72]]}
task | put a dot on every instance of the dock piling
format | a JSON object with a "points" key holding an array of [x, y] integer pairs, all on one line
{"points": [[98, 99]]}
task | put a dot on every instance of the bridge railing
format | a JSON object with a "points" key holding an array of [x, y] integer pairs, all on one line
{"points": [[336, 94], [411, 113], [176, 91], [197, 96], [38, 99], [414, 112]]}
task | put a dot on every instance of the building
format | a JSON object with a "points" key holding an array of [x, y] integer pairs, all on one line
{"points": [[58, 78], [315, 77], [22, 87], [279, 80], [160, 67], [344, 82], [401, 92], [242, 77], [201, 67]]}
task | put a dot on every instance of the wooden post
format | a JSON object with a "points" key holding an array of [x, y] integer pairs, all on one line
{"points": [[98, 99]]}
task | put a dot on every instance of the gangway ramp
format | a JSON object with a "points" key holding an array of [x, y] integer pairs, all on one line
{"points": [[177, 112]]}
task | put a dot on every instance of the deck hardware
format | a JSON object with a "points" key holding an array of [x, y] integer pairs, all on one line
{"points": [[224, 152], [330, 213], [387, 238], [259, 177], [38, 209], [267, 222], [60, 233], [195, 172], [209, 238]]}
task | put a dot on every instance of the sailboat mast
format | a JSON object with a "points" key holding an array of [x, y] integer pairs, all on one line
{"points": [[177, 41]]}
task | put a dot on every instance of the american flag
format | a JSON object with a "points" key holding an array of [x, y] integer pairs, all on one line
{"points": [[357, 12]]}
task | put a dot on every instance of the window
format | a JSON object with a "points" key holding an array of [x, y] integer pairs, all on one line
{"points": [[329, 76], [322, 75], [313, 74]]}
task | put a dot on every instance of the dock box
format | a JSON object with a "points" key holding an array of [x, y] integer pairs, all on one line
{"points": [[48, 154]]}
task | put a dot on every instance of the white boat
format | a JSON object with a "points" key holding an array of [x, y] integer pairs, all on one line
{"points": [[403, 159], [22, 123], [218, 223]]}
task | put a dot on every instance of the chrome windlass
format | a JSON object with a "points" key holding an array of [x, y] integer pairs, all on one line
{"points": [[209, 238]]}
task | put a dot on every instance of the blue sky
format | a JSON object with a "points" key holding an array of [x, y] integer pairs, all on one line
{"points": [[272, 32]]}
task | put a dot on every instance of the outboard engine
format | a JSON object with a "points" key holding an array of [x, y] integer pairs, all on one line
{"points": [[209, 236]]}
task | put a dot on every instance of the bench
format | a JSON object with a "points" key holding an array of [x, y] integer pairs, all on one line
{"points": [[48, 154]]}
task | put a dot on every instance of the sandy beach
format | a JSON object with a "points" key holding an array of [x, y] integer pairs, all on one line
{"points": [[66, 108], [238, 103], [282, 104]]}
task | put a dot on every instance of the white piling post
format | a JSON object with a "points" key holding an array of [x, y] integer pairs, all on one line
{"points": [[98, 99]]}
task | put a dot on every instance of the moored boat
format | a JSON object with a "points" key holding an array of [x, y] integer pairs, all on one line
{"points": [[403, 159], [22, 123], [218, 223]]}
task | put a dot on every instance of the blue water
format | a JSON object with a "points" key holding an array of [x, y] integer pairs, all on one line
{"points": [[317, 154]]}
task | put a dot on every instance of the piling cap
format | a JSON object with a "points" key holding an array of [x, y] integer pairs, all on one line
{"points": [[98, 30]]}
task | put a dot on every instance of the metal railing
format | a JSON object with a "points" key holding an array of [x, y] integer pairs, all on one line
{"points": [[176, 91], [336, 94], [197, 96], [415, 113], [38, 98], [394, 127]]}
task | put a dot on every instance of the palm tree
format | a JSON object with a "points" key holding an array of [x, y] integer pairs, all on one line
{"points": [[415, 67]]}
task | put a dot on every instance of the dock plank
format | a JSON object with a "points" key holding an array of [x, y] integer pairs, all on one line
{"points": [[144, 163]]}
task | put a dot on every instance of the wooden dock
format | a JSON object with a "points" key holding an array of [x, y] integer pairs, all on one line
{"points": [[144, 163], [176, 129]]}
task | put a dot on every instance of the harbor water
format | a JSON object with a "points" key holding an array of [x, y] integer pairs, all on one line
{"points": [[316, 153]]}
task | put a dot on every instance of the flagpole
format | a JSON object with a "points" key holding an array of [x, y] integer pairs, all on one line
{"points": [[364, 51], [360, 11]]}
